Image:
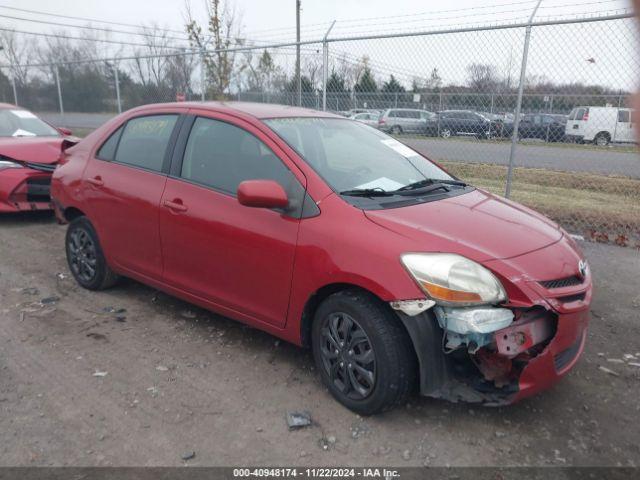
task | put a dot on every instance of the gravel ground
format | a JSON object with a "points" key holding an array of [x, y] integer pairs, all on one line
{"points": [[83, 382]]}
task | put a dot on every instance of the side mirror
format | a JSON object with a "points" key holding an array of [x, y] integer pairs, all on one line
{"points": [[262, 194], [65, 131]]}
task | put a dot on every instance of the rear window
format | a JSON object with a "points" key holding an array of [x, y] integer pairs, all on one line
{"points": [[108, 149], [144, 141], [623, 116]]}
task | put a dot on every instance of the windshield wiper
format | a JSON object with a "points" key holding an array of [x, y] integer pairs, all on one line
{"points": [[367, 192], [430, 181]]}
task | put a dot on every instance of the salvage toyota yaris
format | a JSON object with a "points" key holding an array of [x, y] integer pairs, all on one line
{"points": [[330, 234], [29, 151]]}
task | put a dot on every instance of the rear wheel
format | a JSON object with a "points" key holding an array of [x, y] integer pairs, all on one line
{"points": [[85, 258], [365, 357], [396, 129], [602, 139], [445, 133]]}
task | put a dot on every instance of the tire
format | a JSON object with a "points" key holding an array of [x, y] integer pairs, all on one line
{"points": [[85, 257], [396, 130], [602, 139], [445, 133], [370, 337]]}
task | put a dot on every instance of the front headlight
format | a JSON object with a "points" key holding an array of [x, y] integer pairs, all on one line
{"points": [[454, 280], [4, 164]]}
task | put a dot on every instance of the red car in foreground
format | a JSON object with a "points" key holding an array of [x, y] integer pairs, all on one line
{"points": [[328, 233], [29, 151]]}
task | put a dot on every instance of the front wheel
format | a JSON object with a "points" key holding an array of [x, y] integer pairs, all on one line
{"points": [[85, 257], [364, 355], [445, 133]]}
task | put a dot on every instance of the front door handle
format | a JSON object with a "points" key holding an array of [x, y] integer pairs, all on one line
{"points": [[97, 181], [175, 205]]}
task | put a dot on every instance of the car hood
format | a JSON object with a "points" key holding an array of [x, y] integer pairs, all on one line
{"points": [[45, 150], [478, 225]]}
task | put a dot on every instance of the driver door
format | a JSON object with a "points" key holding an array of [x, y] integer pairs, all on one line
{"points": [[232, 256]]}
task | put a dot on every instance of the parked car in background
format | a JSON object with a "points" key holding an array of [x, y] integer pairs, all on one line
{"points": [[243, 208], [466, 123], [355, 111], [545, 126], [408, 120], [367, 118], [29, 151], [600, 125]]}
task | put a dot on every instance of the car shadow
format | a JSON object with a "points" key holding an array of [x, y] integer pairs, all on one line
{"points": [[19, 219]]}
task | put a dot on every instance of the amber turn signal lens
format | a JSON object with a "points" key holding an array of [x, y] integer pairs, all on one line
{"points": [[438, 292]]}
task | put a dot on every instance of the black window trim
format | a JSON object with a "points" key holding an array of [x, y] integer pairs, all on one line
{"points": [[168, 153]]}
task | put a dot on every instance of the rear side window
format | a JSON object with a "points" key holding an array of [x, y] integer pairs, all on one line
{"points": [[108, 149], [580, 113], [144, 141], [221, 155], [623, 116]]}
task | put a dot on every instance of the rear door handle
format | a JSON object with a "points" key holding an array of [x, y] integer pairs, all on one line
{"points": [[97, 181], [176, 206]]}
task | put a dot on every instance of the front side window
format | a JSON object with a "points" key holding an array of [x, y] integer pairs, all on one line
{"points": [[144, 141], [22, 123], [349, 155], [221, 155]]}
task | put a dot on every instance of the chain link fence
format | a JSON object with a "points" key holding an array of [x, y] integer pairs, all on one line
{"points": [[539, 110]]}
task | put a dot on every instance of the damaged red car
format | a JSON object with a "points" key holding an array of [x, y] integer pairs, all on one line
{"points": [[330, 234], [29, 151]]}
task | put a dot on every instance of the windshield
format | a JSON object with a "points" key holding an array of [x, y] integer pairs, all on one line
{"points": [[22, 123], [352, 156]]}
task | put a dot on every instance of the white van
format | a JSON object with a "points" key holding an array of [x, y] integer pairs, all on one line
{"points": [[600, 125]]}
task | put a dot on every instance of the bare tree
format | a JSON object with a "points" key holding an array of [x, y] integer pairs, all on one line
{"points": [[17, 52], [482, 77], [222, 34]]}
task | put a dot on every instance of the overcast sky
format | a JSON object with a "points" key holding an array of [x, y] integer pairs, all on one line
{"points": [[562, 53]]}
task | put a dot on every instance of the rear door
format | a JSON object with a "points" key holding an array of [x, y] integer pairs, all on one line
{"points": [[235, 257], [624, 127], [576, 123], [123, 183]]}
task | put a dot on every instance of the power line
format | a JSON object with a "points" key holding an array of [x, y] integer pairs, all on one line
{"points": [[88, 39], [88, 27], [107, 22]]}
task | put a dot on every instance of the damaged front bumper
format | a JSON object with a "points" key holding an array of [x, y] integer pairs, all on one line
{"points": [[24, 189], [529, 355]]}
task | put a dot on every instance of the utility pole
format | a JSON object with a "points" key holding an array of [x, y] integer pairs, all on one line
{"points": [[298, 76]]}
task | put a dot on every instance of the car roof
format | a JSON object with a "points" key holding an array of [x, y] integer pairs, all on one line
{"points": [[9, 106], [256, 110]]}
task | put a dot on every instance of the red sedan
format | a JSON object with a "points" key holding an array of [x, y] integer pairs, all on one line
{"points": [[29, 151], [328, 233]]}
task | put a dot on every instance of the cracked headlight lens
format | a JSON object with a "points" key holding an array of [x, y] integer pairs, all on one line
{"points": [[453, 280]]}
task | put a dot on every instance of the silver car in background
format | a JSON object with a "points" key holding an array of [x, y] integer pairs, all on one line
{"points": [[368, 118], [408, 120]]}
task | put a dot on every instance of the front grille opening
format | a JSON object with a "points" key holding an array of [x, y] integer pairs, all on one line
{"points": [[38, 189], [572, 298], [571, 281]]}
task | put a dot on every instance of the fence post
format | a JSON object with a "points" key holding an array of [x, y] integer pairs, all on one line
{"points": [[117, 80], [15, 90], [492, 103], [59, 91], [203, 76], [325, 66], [516, 120]]}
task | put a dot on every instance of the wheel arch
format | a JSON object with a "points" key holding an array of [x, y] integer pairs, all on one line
{"points": [[71, 213]]}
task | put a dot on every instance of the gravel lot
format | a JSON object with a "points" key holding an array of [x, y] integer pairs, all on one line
{"points": [[180, 379]]}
